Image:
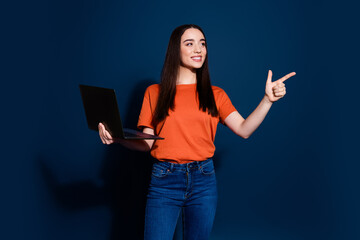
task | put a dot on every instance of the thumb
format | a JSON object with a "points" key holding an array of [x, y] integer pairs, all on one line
{"points": [[269, 77]]}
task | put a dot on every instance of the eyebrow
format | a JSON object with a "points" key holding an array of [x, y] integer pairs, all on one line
{"points": [[192, 40]]}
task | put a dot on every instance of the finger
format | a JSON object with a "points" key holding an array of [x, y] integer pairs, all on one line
{"points": [[101, 131], [279, 94], [287, 76], [280, 89], [269, 78], [279, 85], [282, 93], [103, 140], [108, 136], [101, 126], [102, 134]]}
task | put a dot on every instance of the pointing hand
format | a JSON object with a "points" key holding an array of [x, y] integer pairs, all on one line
{"points": [[276, 90]]}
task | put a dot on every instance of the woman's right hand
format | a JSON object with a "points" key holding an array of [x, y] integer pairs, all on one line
{"points": [[138, 145], [105, 136]]}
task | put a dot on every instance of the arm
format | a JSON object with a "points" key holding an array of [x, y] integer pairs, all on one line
{"points": [[244, 128], [273, 92], [138, 145]]}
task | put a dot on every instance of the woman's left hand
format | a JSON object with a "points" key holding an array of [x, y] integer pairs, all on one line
{"points": [[276, 90]]}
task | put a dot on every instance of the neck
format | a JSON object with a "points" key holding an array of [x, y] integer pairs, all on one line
{"points": [[186, 76]]}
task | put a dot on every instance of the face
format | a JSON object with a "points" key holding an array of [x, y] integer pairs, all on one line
{"points": [[192, 49]]}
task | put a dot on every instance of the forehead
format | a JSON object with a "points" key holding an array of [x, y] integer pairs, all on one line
{"points": [[192, 33]]}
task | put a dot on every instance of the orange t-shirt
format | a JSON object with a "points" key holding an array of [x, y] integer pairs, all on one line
{"points": [[188, 131]]}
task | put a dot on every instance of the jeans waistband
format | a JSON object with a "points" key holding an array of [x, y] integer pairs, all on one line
{"points": [[185, 166]]}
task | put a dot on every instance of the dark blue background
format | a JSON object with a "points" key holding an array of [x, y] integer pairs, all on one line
{"points": [[295, 178]]}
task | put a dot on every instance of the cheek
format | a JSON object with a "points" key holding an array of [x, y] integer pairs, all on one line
{"points": [[182, 57], [184, 54]]}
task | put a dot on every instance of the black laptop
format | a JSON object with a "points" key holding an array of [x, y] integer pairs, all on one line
{"points": [[100, 105]]}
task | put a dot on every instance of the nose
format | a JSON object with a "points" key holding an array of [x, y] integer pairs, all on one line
{"points": [[197, 49]]}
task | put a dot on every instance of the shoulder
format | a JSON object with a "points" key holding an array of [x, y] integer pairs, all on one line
{"points": [[220, 95], [153, 89], [216, 88], [217, 91]]}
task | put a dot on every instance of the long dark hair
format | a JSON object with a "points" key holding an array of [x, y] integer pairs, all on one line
{"points": [[169, 75]]}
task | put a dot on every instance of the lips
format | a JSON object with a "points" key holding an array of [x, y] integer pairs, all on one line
{"points": [[196, 58]]}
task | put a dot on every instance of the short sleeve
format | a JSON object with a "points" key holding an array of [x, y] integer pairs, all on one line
{"points": [[223, 103], [148, 107]]}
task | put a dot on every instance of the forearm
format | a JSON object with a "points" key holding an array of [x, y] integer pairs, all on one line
{"points": [[273, 92], [253, 121]]}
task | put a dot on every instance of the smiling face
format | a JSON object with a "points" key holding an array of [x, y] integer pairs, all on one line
{"points": [[192, 49]]}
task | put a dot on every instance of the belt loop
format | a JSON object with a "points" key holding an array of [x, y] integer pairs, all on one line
{"points": [[171, 167]]}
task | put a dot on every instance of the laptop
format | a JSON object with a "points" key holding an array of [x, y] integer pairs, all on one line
{"points": [[100, 105]]}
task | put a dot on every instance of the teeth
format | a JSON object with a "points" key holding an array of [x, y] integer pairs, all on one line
{"points": [[196, 58]]}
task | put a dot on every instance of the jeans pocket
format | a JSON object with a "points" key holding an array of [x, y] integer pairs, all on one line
{"points": [[207, 169], [159, 172]]}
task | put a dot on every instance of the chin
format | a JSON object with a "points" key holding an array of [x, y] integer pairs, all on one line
{"points": [[197, 66], [193, 66]]}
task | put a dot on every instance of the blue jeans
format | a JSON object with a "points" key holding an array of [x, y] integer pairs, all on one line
{"points": [[188, 187]]}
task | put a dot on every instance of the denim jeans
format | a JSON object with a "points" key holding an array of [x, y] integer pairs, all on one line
{"points": [[188, 188]]}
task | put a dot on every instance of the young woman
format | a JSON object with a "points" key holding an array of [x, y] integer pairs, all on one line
{"points": [[185, 109]]}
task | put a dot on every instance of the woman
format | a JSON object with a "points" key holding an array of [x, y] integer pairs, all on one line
{"points": [[185, 109]]}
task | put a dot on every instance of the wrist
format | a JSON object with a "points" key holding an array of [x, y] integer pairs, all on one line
{"points": [[267, 99]]}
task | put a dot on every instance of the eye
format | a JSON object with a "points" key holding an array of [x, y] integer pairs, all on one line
{"points": [[188, 44]]}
